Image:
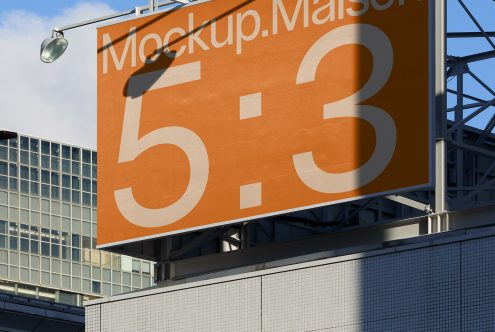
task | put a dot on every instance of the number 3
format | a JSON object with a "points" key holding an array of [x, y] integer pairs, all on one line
{"points": [[132, 146], [381, 49]]}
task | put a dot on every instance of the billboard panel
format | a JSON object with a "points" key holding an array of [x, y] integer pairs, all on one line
{"points": [[230, 110]]}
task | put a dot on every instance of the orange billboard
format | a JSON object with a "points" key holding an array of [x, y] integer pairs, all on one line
{"points": [[225, 111]]}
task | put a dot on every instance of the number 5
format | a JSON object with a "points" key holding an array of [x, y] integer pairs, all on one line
{"points": [[381, 49], [132, 146]]}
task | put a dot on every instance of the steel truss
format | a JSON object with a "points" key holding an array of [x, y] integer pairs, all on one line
{"points": [[465, 178]]}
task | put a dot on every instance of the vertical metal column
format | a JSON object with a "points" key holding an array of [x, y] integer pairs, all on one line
{"points": [[459, 134], [435, 222]]}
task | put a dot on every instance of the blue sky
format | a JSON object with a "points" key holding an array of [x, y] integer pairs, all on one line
{"points": [[50, 101], [56, 7]]}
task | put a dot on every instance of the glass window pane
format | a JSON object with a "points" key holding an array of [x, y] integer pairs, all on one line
{"points": [[35, 232], [55, 236], [146, 267], [34, 159], [65, 181], [24, 187], [76, 255], [65, 152], [45, 190], [96, 287], [76, 153], [13, 242], [35, 246], [76, 197], [35, 175], [86, 242], [76, 167], [55, 192], [86, 185], [24, 157], [136, 266], [3, 241], [13, 155], [93, 159], [86, 199], [45, 249], [4, 168], [95, 175], [55, 149], [35, 188], [55, 163], [65, 252], [93, 186], [45, 235], [65, 195], [94, 201], [45, 161], [3, 227], [86, 156], [24, 143], [86, 170], [3, 152], [13, 170], [4, 182], [34, 144], [45, 177], [55, 178], [45, 147], [76, 240], [75, 183], [25, 172], [65, 166], [13, 142], [24, 231], [25, 245], [13, 184], [55, 250]]}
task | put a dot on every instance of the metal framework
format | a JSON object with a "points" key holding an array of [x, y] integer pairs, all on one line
{"points": [[465, 179]]}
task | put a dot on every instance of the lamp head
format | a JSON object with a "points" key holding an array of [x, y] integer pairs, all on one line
{"points": [[53, 47]]}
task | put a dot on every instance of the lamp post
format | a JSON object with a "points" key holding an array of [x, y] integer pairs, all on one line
{"points": [[5, 135], [55, 45]]}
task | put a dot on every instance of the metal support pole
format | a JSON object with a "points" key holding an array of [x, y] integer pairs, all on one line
{"points": [[459, 133], [435, 222]]}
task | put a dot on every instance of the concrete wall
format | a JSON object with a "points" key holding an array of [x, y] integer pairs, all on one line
{"points": [[447, 285]]}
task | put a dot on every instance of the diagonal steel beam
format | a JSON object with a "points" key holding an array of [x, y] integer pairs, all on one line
{"points": [[476, 23]]}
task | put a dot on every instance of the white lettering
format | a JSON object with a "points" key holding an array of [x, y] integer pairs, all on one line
{"points": [[365, 6], [240, 33], [107, 44], [166, 43], [230, 35], [329, 9], [152, 58], [278, 6], [194, 35]]}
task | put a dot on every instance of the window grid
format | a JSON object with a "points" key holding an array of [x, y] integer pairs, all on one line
{"points": [[49, 219]]}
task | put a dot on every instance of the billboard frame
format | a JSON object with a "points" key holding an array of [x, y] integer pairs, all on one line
{"points": [[436, 102]]}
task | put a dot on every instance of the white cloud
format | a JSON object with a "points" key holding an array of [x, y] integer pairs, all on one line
{"points": [[55, 101]]}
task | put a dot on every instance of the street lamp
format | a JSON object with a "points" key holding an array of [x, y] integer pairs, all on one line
{"points": [[53, 47], [5, 135]]}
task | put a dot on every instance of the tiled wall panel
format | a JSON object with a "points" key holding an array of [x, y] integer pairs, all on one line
{"points": [[448, 287]]}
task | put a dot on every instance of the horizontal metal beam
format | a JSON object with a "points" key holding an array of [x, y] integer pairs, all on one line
{"points": [[452, 61], [137, 11], [410, 202], [475, 34]]}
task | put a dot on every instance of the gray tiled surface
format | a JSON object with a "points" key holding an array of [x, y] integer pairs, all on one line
{"points": [[449, 287]]}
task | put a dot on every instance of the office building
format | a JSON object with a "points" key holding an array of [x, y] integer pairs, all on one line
{"points": [[48, 230]]}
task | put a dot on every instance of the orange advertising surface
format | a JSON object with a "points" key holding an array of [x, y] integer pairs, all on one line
{"points": [[230, 110]]}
